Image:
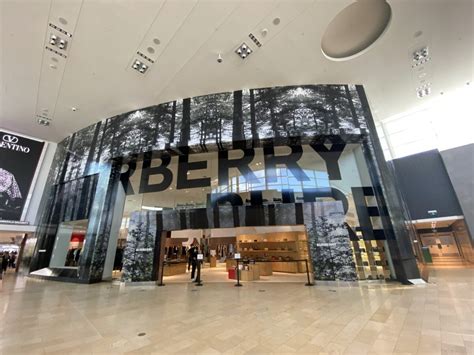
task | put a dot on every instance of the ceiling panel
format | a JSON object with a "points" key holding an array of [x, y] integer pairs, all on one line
{"points": [[97, 79]]}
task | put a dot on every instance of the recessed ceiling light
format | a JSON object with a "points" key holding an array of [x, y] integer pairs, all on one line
{"points": [[276, 21], [74, 109], [53, 66], [63, 21], [264, 32], [54, 59], [150, 50], [156, 41]]}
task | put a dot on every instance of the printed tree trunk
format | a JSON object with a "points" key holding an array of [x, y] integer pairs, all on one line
{"points": [[90, 156], [173, 122], [253, 123], [185, 125], [355, 119], [238, 121]]}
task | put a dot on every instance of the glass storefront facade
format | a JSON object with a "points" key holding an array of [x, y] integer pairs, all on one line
{"points": [[261, 157]]}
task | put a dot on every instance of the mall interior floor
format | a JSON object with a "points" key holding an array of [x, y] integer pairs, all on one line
{"points": [[54, 317], [219, 274]]}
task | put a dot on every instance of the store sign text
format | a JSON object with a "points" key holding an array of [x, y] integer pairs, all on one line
{"points": [[329, 155]]}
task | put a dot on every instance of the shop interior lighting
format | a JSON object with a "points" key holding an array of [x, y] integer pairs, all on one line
{"points": [[139, 66], [243, 51]]}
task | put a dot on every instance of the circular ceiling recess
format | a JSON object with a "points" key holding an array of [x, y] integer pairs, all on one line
{"points": [[355, 29]]}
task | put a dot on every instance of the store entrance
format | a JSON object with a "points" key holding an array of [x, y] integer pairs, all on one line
{"points": [[263, 254]]}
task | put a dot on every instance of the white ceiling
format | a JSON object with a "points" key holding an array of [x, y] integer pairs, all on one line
{"points": [[97, 79]]}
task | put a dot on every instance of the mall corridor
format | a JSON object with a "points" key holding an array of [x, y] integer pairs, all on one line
{"points": [[367, 317]]}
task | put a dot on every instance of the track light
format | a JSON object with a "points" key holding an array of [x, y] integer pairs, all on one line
{"points": [[58, 42], [421, 56], [423, 90], [243, 51], [139, 66], [43, 121]]}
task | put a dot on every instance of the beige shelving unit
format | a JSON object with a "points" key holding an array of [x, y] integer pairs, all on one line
{"points": [[277, 247], [371, 260]]}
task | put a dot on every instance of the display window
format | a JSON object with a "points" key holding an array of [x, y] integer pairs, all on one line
{"points": [[69, 245], [264, 176], [265, 254]]}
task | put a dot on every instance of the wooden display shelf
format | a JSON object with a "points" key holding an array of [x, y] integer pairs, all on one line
{"points": [[272, 242], [264, 268], [266, 251], [174, 269], [282, 266]]}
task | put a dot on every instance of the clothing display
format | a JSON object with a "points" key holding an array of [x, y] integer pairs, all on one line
{"points": [[73, 256]]}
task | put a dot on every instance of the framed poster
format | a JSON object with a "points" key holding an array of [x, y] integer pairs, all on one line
{"points": [[19, 157]]}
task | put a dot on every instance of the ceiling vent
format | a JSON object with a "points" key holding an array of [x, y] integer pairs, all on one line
{"points": [[145, 57], [255, 40], [56, 52], [59, 29], [243, 51]]}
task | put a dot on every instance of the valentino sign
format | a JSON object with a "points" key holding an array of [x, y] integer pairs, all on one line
{"points": [[10, 141], [18, 160]]}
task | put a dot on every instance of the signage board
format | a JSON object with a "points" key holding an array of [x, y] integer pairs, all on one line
{"points": [[19, 157]]}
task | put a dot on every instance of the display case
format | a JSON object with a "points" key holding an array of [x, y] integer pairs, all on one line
{"points": [[279, 248]]}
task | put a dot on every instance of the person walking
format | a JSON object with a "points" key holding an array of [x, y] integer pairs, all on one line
{"points": [[193, 252], [5, 261]]}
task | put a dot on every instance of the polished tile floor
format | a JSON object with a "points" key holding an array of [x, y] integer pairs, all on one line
{"points": [[52, 317], [219, 274]]}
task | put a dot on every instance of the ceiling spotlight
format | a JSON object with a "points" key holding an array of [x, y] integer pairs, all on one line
{"points": [[43, 121], [62, 44], [420, 57], [219, 58], [139, 66], [423, 90], [243, 51], [57, 41], [73, 109]]}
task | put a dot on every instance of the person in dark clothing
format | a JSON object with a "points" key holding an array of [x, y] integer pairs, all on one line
{"points": [[11, 262], [193, 252], [5, 260]]}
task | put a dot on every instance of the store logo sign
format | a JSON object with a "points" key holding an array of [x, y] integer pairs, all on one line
{"points": [[10, 139], [10, 142]]}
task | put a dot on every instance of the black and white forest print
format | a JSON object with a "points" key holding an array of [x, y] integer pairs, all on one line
{"points": [[86, 166], [139, 251]]}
